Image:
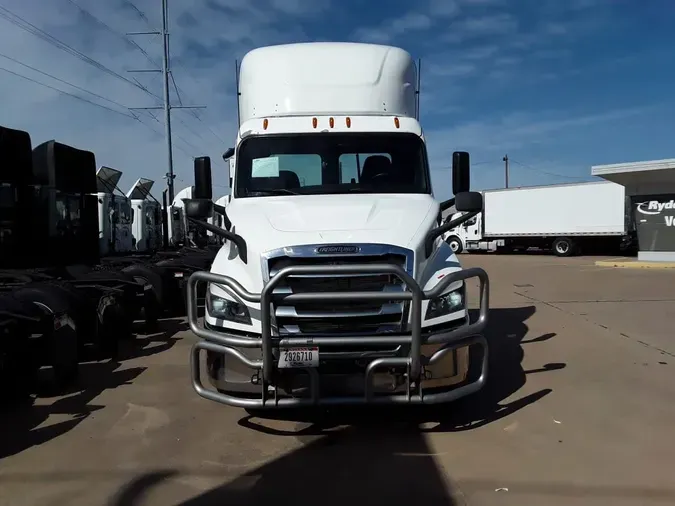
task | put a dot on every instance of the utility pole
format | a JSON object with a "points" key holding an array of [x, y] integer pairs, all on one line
{"points": [[166, 74], [506, 170]]}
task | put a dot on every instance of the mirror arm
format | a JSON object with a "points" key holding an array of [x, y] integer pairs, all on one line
{"points": [[236, 239], [447, 204], [221, 210], [438, 231]]}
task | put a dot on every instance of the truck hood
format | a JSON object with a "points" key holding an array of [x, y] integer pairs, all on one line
{"points": [[272, 222]]}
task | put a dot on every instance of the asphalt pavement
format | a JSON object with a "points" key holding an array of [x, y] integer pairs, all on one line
{"points": [[579, 411]]}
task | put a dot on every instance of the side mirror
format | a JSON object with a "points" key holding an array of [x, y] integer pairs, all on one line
{"points": [[198, 209], [203, 186], [228, 154], [461, 172], [469, 202]]}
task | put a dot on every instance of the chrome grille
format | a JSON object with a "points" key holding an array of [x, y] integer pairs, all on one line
{"points": [[344, 318]]}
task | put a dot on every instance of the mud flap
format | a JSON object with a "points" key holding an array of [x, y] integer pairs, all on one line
{"points": [[113, 324]]}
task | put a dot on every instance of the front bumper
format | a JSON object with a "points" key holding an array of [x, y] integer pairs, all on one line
{"points": [[445, 341]]}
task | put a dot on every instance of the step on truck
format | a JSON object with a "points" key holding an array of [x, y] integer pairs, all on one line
{"points": [[565, 219], [334, 286]]}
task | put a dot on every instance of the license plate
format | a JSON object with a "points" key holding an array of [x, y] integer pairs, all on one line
{"points": [[299, 357], [177, 274]]}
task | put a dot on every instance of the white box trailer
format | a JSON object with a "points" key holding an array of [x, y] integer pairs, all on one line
{"points": [[565, 218]]}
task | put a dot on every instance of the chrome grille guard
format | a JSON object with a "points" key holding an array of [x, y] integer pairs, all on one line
{"points": [[226, 344]]}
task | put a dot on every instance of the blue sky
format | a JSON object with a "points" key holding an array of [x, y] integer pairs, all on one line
{"points": [[558, 85]]}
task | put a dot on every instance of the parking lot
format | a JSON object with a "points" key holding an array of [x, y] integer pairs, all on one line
{"points": [[579, 410]]}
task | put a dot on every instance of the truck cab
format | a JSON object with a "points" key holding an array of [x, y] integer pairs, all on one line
{"points": [[146, 222], [334, 285], [114, 214], [469, 236]]}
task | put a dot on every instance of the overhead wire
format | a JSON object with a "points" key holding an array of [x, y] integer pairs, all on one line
{"points": [[138, 11], [45, 36], [110, 29], [126, 115], [130, 113], [18, 62], [178, 90], [553, 174], [25, 25]]}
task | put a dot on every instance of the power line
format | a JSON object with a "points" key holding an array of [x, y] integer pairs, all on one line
{"points": [[130, 41], [62, 80], [172, 62], [473, 164], [130, 116], [105, 25], [66, 93], [138, 11], [194, 113], [528, 167], [166, 73], [175, 86], [179, 137], [50, 39], [189, 129]]}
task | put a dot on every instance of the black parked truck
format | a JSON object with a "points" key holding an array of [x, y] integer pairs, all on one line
{"points": [[57, 300]]}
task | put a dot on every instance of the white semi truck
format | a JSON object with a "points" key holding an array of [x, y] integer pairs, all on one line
{"points": [[564, 218], [114, 213], [146, 216], [334, 286]]}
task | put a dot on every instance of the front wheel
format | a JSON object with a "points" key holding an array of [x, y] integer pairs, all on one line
{"points": [[455, 244]]}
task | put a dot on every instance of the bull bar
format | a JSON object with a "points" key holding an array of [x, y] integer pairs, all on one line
{"points": [[226, 344]]}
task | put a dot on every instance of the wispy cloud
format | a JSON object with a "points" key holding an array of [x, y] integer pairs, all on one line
{"points": [[394, 27], [206, 37], [482, 62], [444, 8], [517, 129]]}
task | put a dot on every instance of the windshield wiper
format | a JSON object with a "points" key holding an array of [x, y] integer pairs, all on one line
{"points": [[274, 191]]}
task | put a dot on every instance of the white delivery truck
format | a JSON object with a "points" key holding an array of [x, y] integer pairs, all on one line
{"points": [[334, 286], [563, 218]]}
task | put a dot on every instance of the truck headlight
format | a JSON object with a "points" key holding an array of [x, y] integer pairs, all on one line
{"points": [[226, 309], [446, 304]]}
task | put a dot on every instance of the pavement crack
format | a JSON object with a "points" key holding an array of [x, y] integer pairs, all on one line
{"points": [[622, 334]]}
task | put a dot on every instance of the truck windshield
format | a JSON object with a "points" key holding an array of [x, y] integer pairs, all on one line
{"points": [[328, 163]]}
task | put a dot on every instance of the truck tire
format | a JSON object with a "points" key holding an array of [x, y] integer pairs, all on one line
{"points": [[154, 276], [18, 364], [63, 342], [455, 244], [120, 328], [564, 247]]}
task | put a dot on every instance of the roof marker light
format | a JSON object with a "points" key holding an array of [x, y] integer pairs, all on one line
{"points": [[331, 122], [348, 120], [397, 123], [314, 122], [265, 123]]}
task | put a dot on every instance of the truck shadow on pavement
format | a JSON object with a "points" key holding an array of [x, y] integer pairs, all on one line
{"points": [[373, 456], [23, 421], [353, 465], [506, 334]]}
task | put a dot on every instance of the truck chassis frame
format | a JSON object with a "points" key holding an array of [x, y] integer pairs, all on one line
{"points": [[226, 344]]}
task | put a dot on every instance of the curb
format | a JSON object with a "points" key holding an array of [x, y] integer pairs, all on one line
{"points": [[634, 264]]}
